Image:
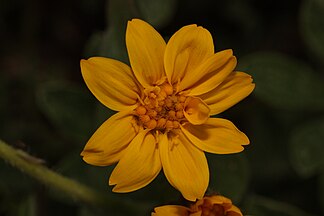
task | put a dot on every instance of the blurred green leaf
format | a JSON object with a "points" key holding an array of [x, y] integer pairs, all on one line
{"points": [[312, 22], [102, 113], [73, 166], [229, 175], [262, 206], [284, 82], [111, 42], [321, 190], [267, 153], [15, 186], [69, 108], [27, 207], [307, 148], [157, 12]]}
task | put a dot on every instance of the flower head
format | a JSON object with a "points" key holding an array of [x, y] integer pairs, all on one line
{"points": [[208, 206], [164, 102]]}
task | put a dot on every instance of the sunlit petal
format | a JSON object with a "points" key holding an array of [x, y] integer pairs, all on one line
{"points": [[111, 81], [139, 165], [214, 78], [214, 63], [107, 144], [235, 88], [145, 48], [186, 50], [217, 135], [184, 165], [171, 210]]}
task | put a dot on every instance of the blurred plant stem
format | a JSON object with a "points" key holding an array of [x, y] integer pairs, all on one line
{"points": [[73, 189]]}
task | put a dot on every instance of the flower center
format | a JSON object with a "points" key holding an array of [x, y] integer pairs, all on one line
{"points": [[161, 108]]}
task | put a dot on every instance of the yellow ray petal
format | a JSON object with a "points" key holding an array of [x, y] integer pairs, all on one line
{"points": [[111, 81], [198, 213], [196, 110], [214, 78], [234, 211], [171, 210], [218, 200], [212, 64], [145, 48], [185, 166], [235, 88], [186, 50], [217, 135], [139, 165], [107, 144]]}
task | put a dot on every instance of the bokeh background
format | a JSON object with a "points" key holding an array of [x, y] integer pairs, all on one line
{"points": [[47, 110]]}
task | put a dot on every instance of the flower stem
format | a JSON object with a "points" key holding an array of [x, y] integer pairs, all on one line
{"points": [[75, 190]]}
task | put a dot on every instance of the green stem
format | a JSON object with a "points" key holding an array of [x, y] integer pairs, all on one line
{"points": [[75, 190]]}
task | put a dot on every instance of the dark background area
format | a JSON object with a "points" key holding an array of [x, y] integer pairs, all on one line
{"points": [[47, 110]]}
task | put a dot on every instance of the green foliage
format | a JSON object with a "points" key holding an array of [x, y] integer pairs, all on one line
{"points": [[284, 82], [307, 147], [312, 22], [157, 12], [229, 175], [69, 107], [262, 206]]}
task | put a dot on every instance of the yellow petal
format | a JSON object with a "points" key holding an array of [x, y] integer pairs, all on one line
{"points": [[196, 110], [139, 165], [218, 199], [217, 135], [145, 48], [214, 78], [234, 211], [186, 50], [171, 210], [235, 88], [107, 144], [184, 165], [111, 81], [212, 64]]}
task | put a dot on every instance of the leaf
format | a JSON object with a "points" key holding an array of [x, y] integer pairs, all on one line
{"points": [[307, 148], [157, 12], [312, 22], [268, 151], [27, 207], [111, 42], [262, 206], [321, 190], [284, 82], [69, 108], [229, 175]]}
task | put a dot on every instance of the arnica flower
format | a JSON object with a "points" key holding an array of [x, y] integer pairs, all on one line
{"points": [[208, 206], [164, 103]]}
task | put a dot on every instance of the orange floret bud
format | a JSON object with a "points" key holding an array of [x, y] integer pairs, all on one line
{"points": [[161, 122], [169, 124], [151, 124], [145, 118], [168, 89], [141, 110], [179, 114]]}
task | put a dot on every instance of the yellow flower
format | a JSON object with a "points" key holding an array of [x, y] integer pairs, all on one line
{"points": [[164, 102], [208, 206]]}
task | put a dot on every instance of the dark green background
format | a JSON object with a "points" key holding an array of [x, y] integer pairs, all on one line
{"points": [[47, 110]]}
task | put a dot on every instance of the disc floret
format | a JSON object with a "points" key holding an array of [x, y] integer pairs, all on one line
{"points": [[161, 108]]}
